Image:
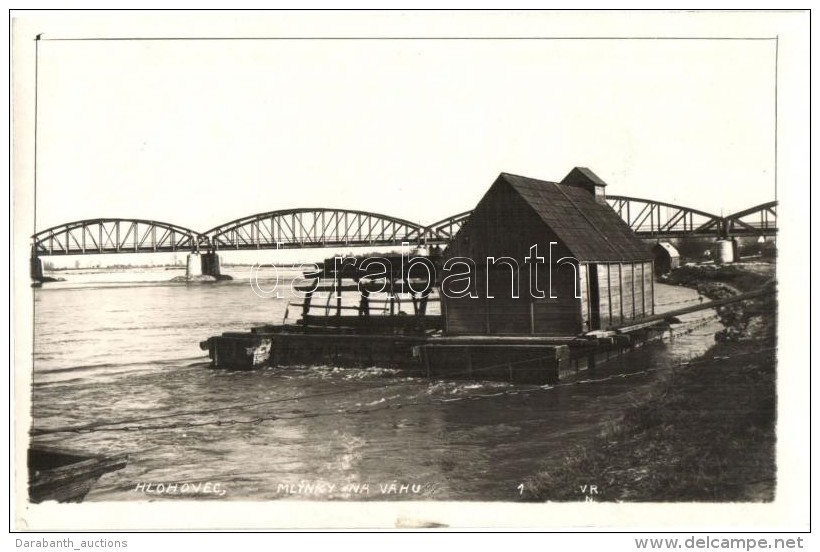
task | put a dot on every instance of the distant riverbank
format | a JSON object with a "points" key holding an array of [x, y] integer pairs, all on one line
{"points": [[705, 431]]}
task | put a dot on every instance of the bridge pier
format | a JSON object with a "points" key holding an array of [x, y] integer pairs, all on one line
{"points": [[36, 269], [194, 265], [693, 248], [725, 251], [211, 264], [205, 264]]}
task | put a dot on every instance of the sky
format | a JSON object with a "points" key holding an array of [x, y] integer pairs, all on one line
{"points": [[198, 133]]}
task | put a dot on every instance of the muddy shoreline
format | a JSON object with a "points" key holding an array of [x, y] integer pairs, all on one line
{"points": [[704, 432]]}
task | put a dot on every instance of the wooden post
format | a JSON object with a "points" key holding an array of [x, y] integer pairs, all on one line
{"points": [[532, 315], [590, 307], [579, 312], [643, 289], [621, 288], [443, 304], [339, 294], [308, 298], [423, 301], [609, 290], [633, 291], [487, 314]]}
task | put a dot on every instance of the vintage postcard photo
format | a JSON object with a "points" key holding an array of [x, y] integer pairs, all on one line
{"points": [[410, 269]]}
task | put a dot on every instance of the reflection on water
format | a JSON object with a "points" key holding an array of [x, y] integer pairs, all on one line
{"points": [[109, 349]]}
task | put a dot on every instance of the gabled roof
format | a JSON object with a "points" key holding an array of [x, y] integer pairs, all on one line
{"points": [[580, 175], [591, 230]]}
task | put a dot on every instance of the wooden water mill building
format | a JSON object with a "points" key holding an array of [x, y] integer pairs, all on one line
{"points": [[548, 264], [596, 274]]}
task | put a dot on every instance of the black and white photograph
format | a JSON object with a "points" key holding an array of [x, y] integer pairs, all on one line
{"points": [[410, 270]]}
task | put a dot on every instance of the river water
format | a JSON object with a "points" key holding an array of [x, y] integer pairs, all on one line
{"points": [[123, 346]]}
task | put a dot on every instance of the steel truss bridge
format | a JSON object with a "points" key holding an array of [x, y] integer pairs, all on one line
{"points": [[322, 227]]}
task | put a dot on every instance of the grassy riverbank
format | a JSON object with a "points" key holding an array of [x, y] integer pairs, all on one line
{"points": [[703, 432]]}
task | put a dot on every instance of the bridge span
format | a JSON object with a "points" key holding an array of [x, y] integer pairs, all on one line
{"points": [[316, 227], [327, 227]]}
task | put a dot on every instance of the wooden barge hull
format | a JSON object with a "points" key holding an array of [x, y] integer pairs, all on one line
{"points": [[265, 347], [535, 360], [530, 359]]}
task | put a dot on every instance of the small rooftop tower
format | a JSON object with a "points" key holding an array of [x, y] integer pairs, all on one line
{"points": [[582, 177]]}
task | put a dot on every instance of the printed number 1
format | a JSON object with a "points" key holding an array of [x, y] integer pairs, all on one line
{"points": [[520, 489]]}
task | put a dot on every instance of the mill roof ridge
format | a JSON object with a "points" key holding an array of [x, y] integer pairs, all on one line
{"points": [[590, 229]]}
